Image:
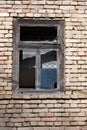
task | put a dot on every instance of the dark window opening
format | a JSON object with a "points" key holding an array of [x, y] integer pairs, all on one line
{"points": [[38, 33], [27, 69]]}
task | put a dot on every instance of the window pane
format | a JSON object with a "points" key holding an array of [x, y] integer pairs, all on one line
{"points": [[48, 69], [38, 33], [27, 68]]}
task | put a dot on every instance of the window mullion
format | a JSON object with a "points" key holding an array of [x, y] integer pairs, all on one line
{"points": [[38, 69], [58, 68]]}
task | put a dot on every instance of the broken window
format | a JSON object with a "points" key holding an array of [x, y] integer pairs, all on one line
{"points": [[38, 33], [27, 68], [38, 55]]}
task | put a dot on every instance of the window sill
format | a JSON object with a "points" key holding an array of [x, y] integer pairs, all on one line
{"points": [[38, 91]]}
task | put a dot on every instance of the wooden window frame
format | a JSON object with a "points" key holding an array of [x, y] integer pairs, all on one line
{"points": [[58, 44]]}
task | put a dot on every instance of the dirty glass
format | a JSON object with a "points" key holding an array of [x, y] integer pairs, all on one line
{"points": [[27, 68]]}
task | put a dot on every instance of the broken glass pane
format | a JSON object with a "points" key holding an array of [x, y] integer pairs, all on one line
{"points": [[38, 33], [27, 68]]}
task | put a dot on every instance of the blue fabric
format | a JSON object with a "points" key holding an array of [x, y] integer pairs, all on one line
{"points": [[48, 78]]}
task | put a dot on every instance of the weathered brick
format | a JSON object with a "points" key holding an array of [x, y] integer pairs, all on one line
{"points": [[41, 128], [56, 111], [4, 14], [25, 128], [5, 128]]}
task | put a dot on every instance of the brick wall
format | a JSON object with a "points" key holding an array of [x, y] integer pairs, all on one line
{"points": [[63, 111]]}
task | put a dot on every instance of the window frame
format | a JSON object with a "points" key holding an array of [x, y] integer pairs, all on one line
{"points": [[18, 45]]}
